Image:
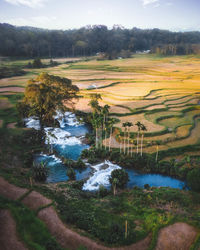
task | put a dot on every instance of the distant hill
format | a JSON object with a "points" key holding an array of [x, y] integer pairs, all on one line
{"points": [[35, 42]]}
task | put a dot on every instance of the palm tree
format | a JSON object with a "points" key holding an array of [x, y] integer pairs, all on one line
{"points": [[129, 124], [132, 141], [96, 110], [114, 185], [105, 112], [111, 123], [143, 128], [157, 153], [138, 124], [125, 127]]}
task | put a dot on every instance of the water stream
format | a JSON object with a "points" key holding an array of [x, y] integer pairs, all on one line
{"points": [[68, 141]]}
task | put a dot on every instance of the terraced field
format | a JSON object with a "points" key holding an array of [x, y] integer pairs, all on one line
{"points": [[161, 92]]}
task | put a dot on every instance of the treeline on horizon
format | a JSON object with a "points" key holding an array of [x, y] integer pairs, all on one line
{"points": [[33, 42]]}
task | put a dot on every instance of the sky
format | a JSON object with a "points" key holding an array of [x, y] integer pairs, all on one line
{"points": [[175, 15]]}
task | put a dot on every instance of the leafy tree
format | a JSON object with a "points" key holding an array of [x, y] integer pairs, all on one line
{"points": [[193, 179], [37, 63], [121, 176], [46, 95], [71, 174]]}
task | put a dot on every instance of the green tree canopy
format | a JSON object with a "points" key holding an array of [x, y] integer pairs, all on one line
{"points": [[45, 95], [119, 177], [193, 179]]}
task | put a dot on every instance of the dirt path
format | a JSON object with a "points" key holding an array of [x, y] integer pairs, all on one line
{"points": [[178, 236], [8, 235], [66, 237], [10, 191]]}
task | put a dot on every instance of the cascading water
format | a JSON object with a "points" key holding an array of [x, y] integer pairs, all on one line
{"points": [[67, 141]]}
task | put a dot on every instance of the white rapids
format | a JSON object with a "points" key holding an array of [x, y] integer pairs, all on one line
{"points": [[57, 135], [100, 176]]}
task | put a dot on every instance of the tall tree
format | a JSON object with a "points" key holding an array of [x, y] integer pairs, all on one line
{"points": [[96, 113], [129, 125], [124, 125], [45, 95], [138, 124], [143, 128], [111, 123]]}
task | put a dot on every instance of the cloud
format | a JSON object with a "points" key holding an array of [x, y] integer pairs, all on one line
{"points": [[146, 2], [29, 3], [169, 4], [35, 21]]}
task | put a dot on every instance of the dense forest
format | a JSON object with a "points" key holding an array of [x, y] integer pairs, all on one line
{"points": [[34, 42]]}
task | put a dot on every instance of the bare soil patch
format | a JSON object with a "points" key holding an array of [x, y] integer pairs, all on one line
{"points": [[35, 200], [10, 191], [1, 123], [8, 235], [178, 236], [12, 89], [11, 125], [4, 103]]}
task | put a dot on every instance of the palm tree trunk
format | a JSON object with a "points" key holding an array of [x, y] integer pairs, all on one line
{"points": [[142, 143], [96, 138], [157, 154], [110, 138], [114, 189], [124, 141], [105, 138], [137, 141], [132, 151], [128, 142]]}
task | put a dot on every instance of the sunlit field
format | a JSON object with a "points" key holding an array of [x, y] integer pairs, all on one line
{"points": [[161, 92]]}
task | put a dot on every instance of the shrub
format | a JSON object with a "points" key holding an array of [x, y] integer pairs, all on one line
{"points": [[71, 174], [102, 191], [80, 164], [37, 63], [146, 186], [193, 179], [39, 172]]}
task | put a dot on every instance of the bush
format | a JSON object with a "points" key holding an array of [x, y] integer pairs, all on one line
{"points": [[80, 164], [78, 184], [121, 175], [102, 191], [71, 174], [193, 179], [37, 63], [39, 172]]}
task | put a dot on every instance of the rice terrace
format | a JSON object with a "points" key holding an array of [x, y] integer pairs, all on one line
{"points": [[99, 125]]}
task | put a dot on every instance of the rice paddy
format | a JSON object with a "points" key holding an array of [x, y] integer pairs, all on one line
{"points": [[163, 93]]}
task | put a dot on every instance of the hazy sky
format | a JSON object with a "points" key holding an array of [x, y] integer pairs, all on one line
{"points": [[64, 14]]}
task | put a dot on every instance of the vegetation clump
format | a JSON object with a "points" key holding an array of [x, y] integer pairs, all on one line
{"points": [[40, 172], [193, 179]]}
